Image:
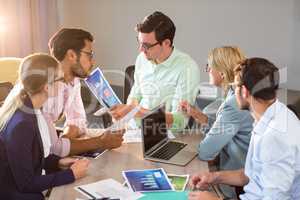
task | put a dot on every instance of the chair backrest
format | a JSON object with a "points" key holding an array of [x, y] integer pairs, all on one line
{"points": [[128, 82], [91, 105], [9, 69], [5, 88], [295, 107]]}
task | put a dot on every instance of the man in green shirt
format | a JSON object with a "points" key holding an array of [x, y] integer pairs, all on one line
{"points": [[163, 74]]}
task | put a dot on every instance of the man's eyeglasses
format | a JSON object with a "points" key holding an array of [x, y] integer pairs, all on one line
{"points": [[146, 46], [91, 54], [207, 68]]}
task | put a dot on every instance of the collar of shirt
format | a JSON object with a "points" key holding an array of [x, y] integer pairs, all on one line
{"points": [[169, 61], [271, 118], [229, 94], [72, 83]]}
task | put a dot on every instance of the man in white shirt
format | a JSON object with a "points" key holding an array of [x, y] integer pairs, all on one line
{"points": [[272, 170], [73, 48]]}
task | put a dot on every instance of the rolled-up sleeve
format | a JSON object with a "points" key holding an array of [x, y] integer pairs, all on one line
{"points": [[220, 134]]}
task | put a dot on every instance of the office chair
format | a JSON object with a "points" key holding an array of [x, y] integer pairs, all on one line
{"points": [[128, 82], [5, 88], [295, 107], [91, 105]]}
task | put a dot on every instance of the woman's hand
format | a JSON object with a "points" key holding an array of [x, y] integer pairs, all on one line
{"points": [[66, 163], [186, 108], [80, 167], [192, 111]]}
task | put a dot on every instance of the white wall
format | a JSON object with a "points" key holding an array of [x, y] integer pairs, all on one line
{"points": [[265, 28], [294, 69]]}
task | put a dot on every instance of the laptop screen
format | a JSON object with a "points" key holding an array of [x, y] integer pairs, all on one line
{"points": [[154, 128]]}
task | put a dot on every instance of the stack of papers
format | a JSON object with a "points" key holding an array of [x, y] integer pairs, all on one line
{"points": [[108, 188]]}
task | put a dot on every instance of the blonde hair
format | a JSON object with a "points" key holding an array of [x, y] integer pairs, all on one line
{"points": [[34, 72], [224, 59]]}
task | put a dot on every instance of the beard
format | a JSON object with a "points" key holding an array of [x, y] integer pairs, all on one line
{"points": [[245, 107], [78, 71], [242, 103], [148, 57]]}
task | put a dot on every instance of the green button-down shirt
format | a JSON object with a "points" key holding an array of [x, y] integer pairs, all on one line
{"points": [[169, 82]]}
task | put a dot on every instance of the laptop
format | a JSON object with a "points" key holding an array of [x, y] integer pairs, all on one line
{"points": [[156, 144]]}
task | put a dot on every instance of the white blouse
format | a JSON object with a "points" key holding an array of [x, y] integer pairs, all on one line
{"points": [[44, 132]]}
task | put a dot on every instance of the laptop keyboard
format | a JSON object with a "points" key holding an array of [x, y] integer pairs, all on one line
{"points": [[168, 150]]}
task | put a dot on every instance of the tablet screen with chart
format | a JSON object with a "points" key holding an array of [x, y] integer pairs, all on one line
{"points": [[102, 90]]}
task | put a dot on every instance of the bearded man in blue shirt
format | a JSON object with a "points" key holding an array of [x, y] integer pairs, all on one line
{"points": [[272, 170]]}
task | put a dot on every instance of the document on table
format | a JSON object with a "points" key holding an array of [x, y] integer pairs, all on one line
{"points": [[108, 188]]}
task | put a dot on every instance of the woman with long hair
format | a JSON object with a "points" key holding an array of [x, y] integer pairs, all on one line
{"points": [[228, 136], [26, 166]]}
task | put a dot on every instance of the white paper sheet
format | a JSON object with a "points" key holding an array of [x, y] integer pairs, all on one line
{"points": [[132, 136], [108, 188], [128, 119]]}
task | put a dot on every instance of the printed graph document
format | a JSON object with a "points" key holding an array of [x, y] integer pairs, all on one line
{"points": [[109, 188], [103, 92], [148, 180], [179, 182], [101, 89]]}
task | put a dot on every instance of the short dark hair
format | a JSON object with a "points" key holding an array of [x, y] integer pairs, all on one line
{"points": [[161, 24], [259, 76], [68, 38]]}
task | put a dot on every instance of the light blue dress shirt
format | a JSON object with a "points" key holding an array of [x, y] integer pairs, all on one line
{"points": [[273, 159], [228, 136]]}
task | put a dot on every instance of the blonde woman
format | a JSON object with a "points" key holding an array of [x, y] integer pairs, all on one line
{"points": [[229, 134], [24, 138]]}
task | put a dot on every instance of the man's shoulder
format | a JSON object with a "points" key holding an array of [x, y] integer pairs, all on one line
{"points": [[284, 126], [182, 56]]}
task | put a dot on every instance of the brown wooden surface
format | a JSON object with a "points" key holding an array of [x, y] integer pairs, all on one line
{"points": [[127, 157]]}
